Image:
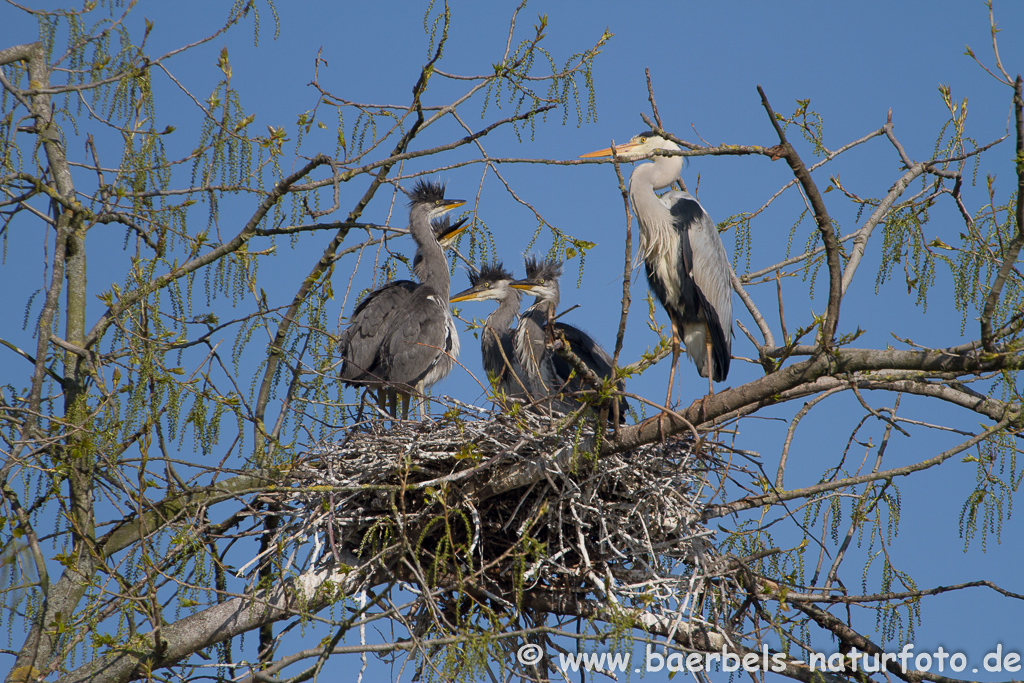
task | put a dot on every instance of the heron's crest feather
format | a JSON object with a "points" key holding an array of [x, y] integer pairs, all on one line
{"points": [[426, 191], [542, 270], [490, 272]]}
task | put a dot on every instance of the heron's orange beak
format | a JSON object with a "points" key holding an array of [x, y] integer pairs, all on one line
{"points": [[470, 294], [529, 286], [448, 236], [619, 150]]}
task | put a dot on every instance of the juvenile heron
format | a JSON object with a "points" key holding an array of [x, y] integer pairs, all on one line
{"points": [[686, 263], [496, 349], [402, 338], [361, 340], [549, 376]]}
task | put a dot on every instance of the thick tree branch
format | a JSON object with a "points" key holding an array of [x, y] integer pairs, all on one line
{"points": [[68, 262], [821, 217], [764, 391], [306, 594]]}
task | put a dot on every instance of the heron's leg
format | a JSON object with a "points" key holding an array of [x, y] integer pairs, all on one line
{"points": [[362, 404], [710, 367], [675, 361]]}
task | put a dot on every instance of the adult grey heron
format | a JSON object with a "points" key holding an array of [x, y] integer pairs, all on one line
{"points": [[550, 377], [686, 263], [496, 349], [401, 338]]}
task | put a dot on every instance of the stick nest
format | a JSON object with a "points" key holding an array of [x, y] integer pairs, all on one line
{"points": [[504, 504]]}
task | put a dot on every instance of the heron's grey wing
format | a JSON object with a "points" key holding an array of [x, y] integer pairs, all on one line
{"points": [[592, 355], [368, 326], [708, 282], [586, 349], [418, 340]]}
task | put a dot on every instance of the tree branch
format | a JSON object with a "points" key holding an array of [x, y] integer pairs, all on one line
{"points": [[821, 217], [774, 497], [305, 594], [1013, 249]]}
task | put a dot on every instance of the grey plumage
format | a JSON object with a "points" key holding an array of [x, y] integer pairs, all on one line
{"points": [[550, 377], [402, 337], [445, 232], [496, 349], [360, 342], [686, 263]]}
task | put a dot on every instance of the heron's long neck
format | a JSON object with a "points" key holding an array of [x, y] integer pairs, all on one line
{"points": [[658, 173], [651, 214], [541, 307], [432, 269], [501, 318]]}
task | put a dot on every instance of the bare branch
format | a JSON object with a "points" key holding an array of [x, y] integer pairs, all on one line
{"points": [[1013, 249], [821, 217]]}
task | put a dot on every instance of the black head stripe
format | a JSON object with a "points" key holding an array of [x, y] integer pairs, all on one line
{"points": [[427, 191], [493, 271]]}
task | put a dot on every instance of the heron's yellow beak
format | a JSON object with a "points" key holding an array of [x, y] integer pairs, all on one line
{"points": [[528, 286], [466, 295], [452, 232], [619, 150]]}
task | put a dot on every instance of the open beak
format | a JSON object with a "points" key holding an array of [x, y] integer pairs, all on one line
{"points": [[620, 150], [451, 232]]}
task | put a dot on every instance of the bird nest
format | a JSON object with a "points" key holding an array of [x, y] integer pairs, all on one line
{"points": [[503, 505]]}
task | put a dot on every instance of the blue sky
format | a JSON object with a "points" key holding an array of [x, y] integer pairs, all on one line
{"points": [[854, 61]]}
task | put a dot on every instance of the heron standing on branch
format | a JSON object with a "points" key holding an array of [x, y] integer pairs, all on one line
{"points": [[401, 338], [686, 263], [496, 350], [549, 376]]}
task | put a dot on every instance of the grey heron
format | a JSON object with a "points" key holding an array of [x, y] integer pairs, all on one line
{"points": [[401, 338], [360, 342], [549, 377], [496, 350], [686, 263]]}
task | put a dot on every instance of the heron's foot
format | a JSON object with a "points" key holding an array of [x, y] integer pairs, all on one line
{"points": [[673, 416], [661, 426], [701, 405]]}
